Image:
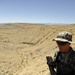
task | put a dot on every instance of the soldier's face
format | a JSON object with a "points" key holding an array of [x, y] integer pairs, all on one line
{"points": [[63, 46]]}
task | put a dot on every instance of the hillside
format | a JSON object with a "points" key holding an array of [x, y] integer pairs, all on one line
{"points": [[24, 47]]}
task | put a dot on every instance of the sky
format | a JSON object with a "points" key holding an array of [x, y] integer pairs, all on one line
{"points": [[37, 11]]}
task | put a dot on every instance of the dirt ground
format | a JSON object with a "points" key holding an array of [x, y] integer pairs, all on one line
{"points": [[24, 47]]}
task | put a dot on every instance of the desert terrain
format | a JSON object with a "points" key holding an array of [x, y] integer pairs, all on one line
{"points": [[24, 47]]}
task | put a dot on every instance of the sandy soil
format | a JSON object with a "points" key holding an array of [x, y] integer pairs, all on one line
{"points": [[24, 47]]}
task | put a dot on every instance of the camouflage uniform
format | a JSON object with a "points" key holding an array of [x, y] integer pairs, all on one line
{"points": [[65, 63]]}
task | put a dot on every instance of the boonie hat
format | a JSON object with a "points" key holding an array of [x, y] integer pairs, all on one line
{"points": [[64, 37]]}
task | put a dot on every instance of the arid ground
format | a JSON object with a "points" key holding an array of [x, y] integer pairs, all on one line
{"points": [[24, 47]]}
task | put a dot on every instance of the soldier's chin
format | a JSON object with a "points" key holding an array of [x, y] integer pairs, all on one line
{"points": [[63, 52]]}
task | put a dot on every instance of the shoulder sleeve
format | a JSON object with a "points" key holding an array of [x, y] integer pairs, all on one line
{"points": [[73, 60], [74, 65]]}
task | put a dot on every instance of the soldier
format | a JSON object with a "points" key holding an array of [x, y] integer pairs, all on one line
{"points": [[65, 57]]}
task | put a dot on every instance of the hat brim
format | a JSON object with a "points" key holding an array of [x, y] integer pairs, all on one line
{"points": [[63, 40]]}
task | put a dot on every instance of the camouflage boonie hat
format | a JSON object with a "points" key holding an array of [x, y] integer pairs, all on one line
{"points": [[64, 37]]}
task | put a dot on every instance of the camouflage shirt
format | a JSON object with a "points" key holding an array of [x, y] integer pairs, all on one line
{"points": [[65, 63]]}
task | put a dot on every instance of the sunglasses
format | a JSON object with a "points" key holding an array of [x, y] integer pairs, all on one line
{"points": [[61, 43]]}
